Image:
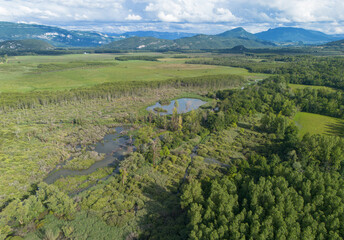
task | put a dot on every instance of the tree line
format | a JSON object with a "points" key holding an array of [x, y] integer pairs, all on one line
{"points": [[308, 70], [10, 101]]}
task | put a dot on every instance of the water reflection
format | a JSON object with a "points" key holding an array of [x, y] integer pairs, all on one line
{"points": [[184, 105]]}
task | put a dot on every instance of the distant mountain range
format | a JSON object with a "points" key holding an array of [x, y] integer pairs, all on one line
{"points": [[152, 40], [227, 39], [161, 35], [292, 35], [56, 36]]}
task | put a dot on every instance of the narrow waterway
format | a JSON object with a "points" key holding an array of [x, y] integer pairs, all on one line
{"points": [[115, 146]]}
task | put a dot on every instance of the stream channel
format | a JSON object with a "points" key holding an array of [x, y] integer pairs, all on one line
{"points": [[114, 146]]}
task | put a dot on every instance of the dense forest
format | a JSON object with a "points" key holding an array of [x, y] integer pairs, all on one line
{"points": [[236, 168], [309, 70]]}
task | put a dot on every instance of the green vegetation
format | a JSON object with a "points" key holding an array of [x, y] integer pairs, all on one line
{"points": [[10, 101], [164, 102], [83, 161], [92, 69], [308, 70], [300, 86], [160, 110], [238, 168], [256, 65], [73, 184], [319, 124], [336, 44], [266, 204], [4, 59], [54, 67], [25, 45], [140, 58]]}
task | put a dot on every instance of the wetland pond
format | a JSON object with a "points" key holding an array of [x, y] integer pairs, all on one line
{"points": [[117, 145], [184, 105]]}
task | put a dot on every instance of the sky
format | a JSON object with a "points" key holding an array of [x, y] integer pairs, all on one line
{"points": [[195, 16]]}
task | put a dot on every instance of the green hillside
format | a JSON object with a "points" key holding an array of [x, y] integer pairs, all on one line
{"points": [[238, 33], [218, 42], [318, 124], [25, 45], [337, 44], [291, 34]]}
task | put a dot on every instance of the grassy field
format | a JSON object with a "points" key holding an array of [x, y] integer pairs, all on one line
{"points": [[319, 124], [34, 73], [300, 86]]}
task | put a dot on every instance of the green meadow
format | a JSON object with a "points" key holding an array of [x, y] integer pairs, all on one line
{"points": [[318, 124], [301, 86], [39, 73]]}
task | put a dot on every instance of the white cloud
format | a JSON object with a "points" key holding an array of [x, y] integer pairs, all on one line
{"points": [[165, 17], [189, 15], [305, 10], [190, 11], [133, 17], [61, 10]]}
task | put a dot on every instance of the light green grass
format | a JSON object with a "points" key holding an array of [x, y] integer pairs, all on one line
{"points": [[300, 86], [319, 124], [20, 75], [60, 58]]}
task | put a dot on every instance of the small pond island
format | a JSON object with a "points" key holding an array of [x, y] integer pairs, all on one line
{"points": [[184, 105]]}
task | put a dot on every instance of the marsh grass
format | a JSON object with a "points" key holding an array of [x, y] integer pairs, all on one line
{"points": [[34, 141]]}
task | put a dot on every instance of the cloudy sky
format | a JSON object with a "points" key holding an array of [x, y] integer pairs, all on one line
{"points": [[198, 16]]}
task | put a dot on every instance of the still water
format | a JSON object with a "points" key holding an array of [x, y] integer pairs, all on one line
{"points": [[185, 105], [115, 146]]}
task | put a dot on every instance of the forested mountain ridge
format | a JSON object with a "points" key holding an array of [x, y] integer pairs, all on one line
{"points": [[56, 36], [140, 43], [155, 34], [25, 45], [291, 34], [228, 39], [154, 40], [238, 33], [339, 43]]}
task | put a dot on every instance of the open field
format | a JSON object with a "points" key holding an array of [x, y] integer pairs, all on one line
{"points": [[319, 124], [300, 86], [38, 73]]}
